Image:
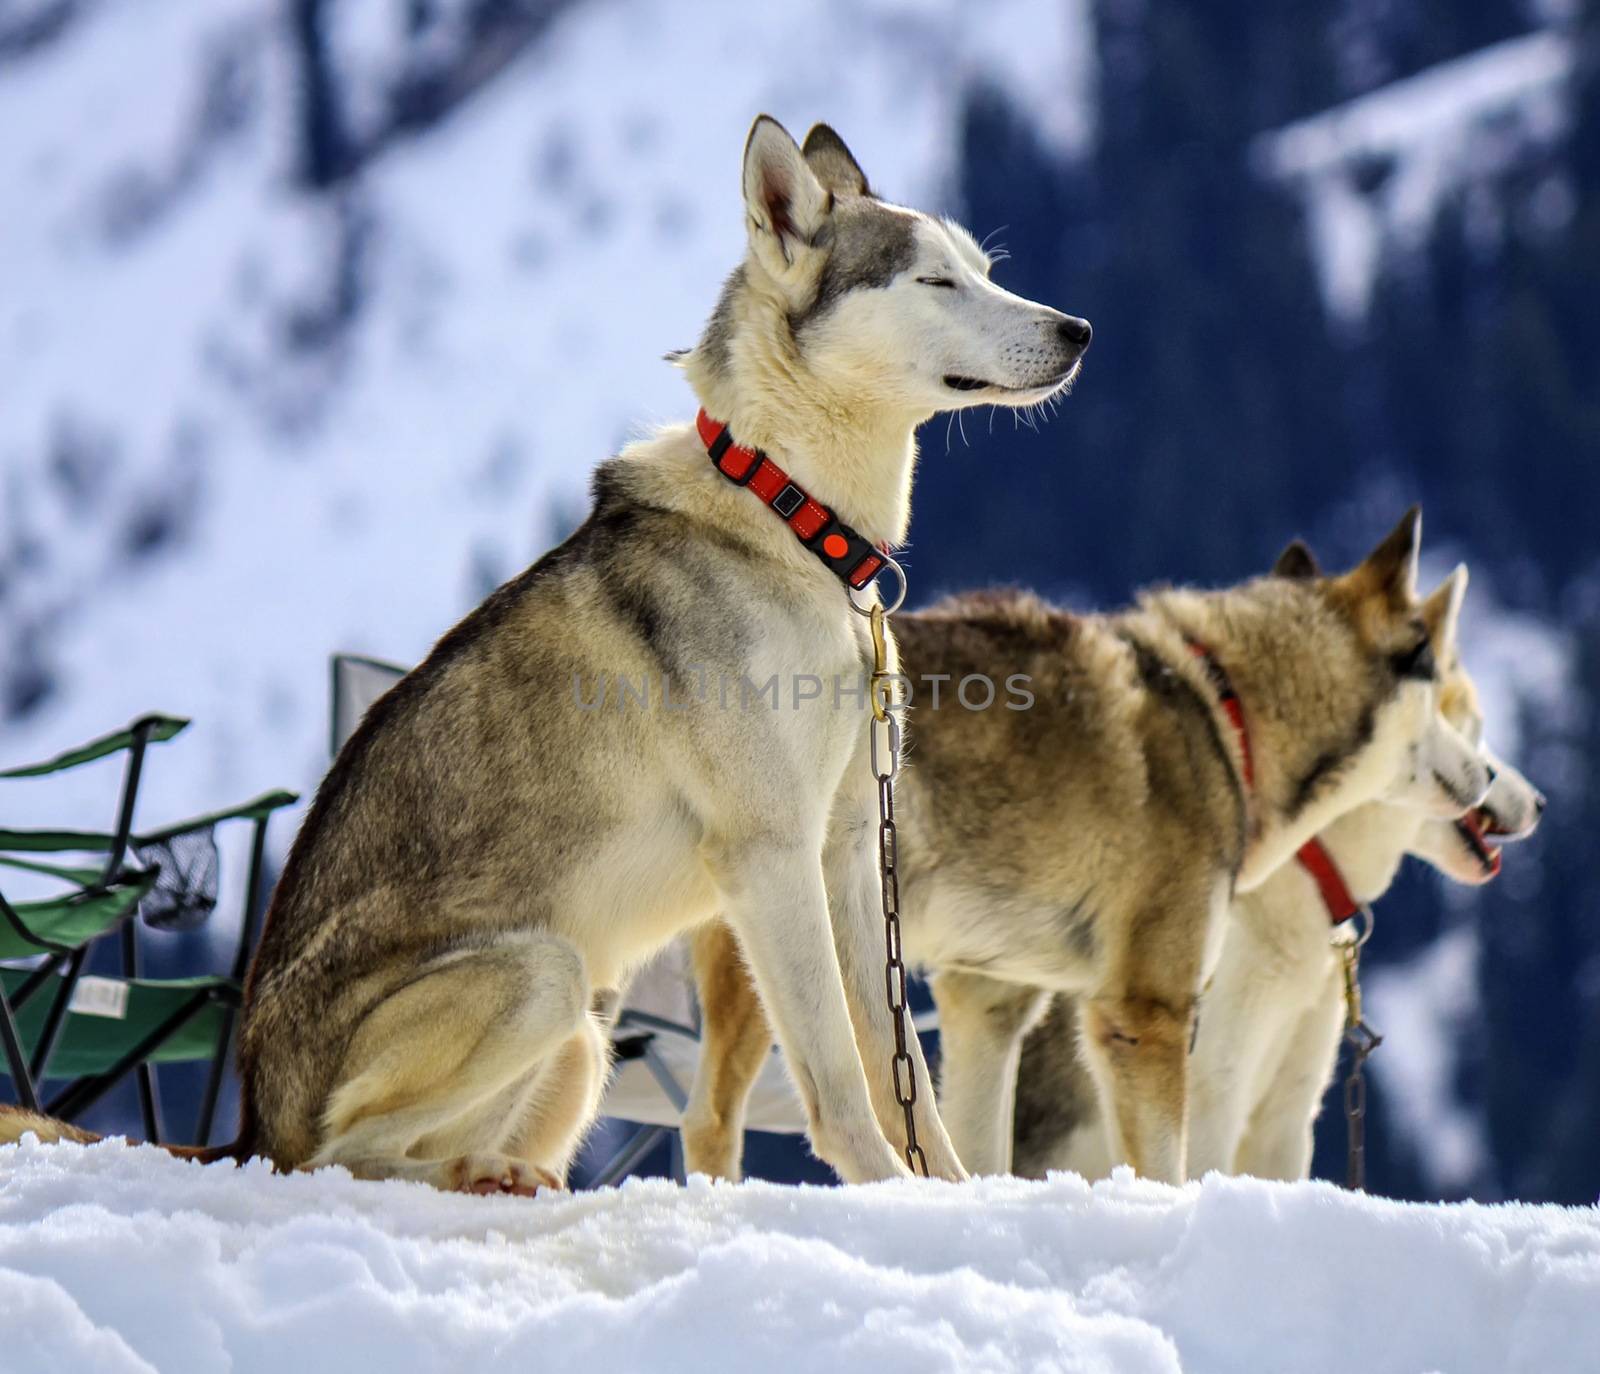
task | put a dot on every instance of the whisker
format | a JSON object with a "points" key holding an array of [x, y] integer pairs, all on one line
{"points": [[984, 246]]}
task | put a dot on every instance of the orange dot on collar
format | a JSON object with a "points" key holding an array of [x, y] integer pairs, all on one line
{"points": [[835, 546]]}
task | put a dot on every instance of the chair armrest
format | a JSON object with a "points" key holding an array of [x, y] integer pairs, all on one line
{"points": [[256, 809], [100, 842], [157, 729]]}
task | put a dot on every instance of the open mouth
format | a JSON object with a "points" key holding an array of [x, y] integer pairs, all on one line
{"points": [[1475, 827]]}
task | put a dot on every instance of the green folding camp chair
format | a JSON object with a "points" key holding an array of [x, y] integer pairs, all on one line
{"points": [[55, 1021]]}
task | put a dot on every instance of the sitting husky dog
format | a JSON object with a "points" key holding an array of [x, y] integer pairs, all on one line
{"points": [[1173, 755], [1273, 1012], [485, 857], [486, 860]]}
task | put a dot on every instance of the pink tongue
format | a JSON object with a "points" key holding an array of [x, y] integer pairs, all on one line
{"points": [[1491, 857]]}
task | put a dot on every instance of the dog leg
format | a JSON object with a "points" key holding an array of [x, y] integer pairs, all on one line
{"points": [[982, 1022], [440, 1075], [1277, 1142], [1138, 1051], [776, 903], [1239, 1031], [1248, 1017], [855, 905], [734, 1043], [565, 1101], [1058, 1121]]}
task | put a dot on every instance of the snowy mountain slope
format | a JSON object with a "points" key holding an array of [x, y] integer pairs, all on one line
{"points": [[125, 1260], [1374, 172], [246, 423]]}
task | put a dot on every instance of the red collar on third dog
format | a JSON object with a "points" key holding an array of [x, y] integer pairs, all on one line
{"points": [[1315, 859], [852, 559]]}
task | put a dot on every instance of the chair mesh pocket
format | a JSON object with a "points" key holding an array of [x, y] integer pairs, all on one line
{"points": [[185, 891]]}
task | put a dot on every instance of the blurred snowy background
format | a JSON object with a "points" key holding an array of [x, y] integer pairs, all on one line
{"points": [[315, 314]]}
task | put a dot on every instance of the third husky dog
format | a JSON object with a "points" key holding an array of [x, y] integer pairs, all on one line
{"points": [[485, 857], [1173, 755], [1273, 1012]]}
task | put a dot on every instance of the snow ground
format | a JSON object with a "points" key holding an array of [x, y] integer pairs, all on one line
{"points": [[117, 1259]]}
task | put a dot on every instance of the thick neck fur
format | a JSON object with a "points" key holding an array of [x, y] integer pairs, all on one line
{"points": [[846, 447], [1369, 844], [1303, 694]]}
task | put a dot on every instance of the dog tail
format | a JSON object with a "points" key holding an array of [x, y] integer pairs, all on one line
{"points": [[16, 1122]]}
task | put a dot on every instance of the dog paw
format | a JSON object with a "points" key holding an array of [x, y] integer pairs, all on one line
{"points": [[494, 1175]]}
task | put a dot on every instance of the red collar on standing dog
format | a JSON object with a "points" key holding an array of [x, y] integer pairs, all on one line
{"points": [[1312, 855], [1228, 699], [852, 559]]}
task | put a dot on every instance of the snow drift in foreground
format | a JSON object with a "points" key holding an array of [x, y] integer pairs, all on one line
{"points": [[120, 1260]]}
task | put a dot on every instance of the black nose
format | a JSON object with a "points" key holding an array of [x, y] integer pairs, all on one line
{"points": [[1539, 803], [1075, 332]]}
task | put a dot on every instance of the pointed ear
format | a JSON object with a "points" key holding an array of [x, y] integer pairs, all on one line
{"points": [[787, 206], [1441, 613], [1297, 562], [1392, 566], [834, 165]]}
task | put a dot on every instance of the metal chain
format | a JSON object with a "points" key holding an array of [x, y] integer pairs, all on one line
{"points": [[1362, 1039], [885, 766]]}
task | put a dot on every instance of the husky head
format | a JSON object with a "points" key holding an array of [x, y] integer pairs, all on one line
{"points": [[1376, 837], [1432, 766], [849, 304], [1340, 686], [1467, 848]]}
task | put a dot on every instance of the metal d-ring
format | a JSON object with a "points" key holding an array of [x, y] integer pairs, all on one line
{"points": [[1360, 924], [900, 597]]}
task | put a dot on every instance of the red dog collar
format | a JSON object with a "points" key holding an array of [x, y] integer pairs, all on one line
{"points": [[1228, 699], [1315, 859], [1312, 855], [852, 559]]}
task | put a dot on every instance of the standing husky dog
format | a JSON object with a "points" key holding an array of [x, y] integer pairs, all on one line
{"points": [[1092, 844], [1273, 1012], [485, 856]]}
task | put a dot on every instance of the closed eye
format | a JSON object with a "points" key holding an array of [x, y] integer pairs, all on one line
{"points": [[937, 281]]}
